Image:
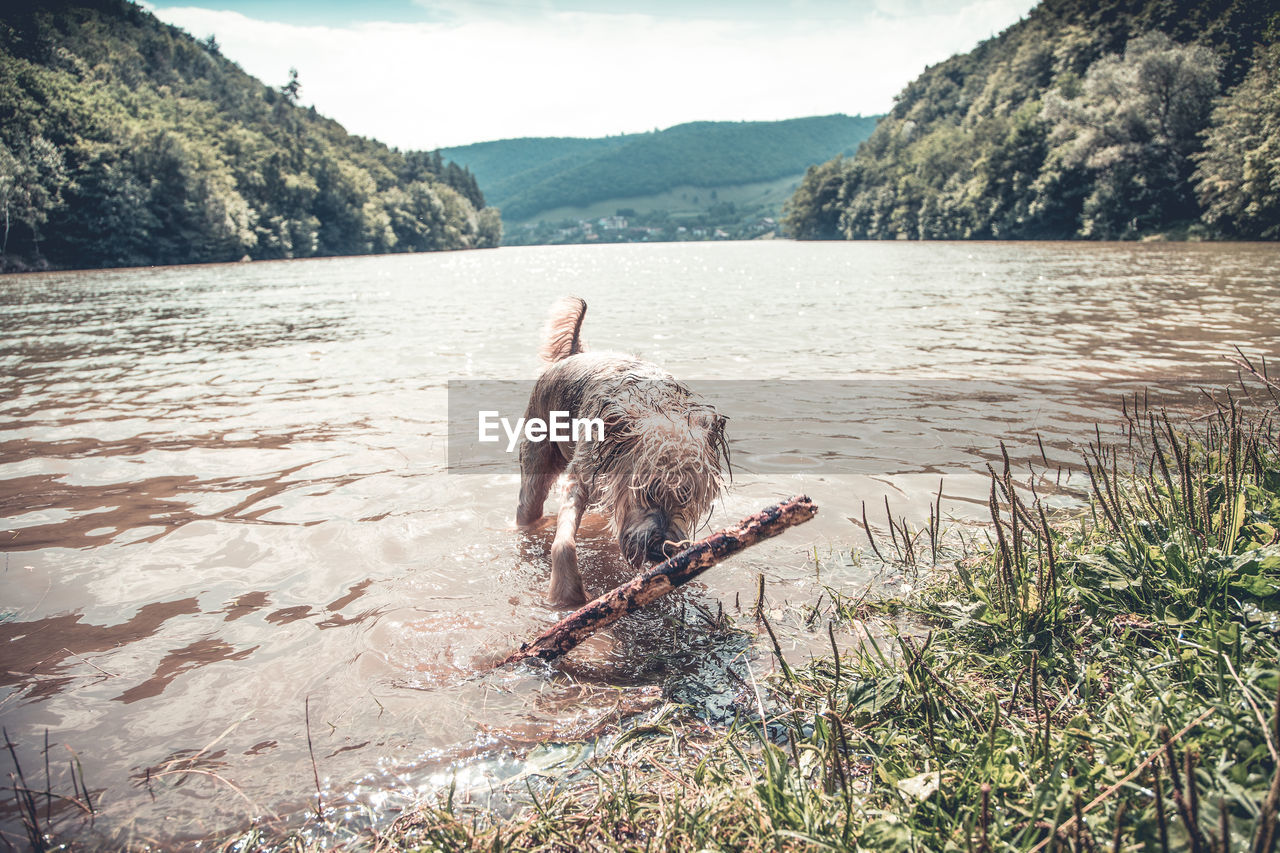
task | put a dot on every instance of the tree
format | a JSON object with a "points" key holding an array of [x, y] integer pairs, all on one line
{"points": [[30, 180], [1133, 131], [106, 217], [813, 213], [291, 89], [1238, 176], [464, 182], [488, 228]]}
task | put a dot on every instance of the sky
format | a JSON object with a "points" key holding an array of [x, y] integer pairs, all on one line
{"points": [[425, 74]]}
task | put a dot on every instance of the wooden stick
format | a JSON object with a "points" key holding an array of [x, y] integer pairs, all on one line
{"points": [[662, 578]]}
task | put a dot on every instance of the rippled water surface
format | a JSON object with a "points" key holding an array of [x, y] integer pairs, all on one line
{"points": [[226, 504]]}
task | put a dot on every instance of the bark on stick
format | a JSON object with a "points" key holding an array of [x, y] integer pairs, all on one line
{"points": [[663, 578]]}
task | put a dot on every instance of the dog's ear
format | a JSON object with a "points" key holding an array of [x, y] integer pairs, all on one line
{"points": [[715, 423]]}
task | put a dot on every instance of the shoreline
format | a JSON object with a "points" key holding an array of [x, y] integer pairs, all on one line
{"points": [[1157, 239]]}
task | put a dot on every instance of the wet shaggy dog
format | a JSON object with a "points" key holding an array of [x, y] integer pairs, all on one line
{"points": [[657, 471]]}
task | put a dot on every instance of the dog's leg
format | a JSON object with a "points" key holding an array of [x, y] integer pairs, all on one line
{"points": [[566, 584], [540, 465]]}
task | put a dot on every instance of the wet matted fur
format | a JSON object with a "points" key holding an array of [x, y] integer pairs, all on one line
{"points": [[657, 472]]}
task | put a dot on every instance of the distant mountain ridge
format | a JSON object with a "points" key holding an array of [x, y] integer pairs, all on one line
{"points": [[528, 177]]}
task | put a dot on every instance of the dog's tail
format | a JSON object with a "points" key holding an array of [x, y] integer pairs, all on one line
{"points": [[563, 334]]}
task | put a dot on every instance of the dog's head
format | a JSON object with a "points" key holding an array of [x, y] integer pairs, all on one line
{"points": [[663, 472]]}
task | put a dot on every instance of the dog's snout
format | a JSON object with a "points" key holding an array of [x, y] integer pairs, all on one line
{"points": [[657, 535], [650, 539], [662, 547], [657, 550]]}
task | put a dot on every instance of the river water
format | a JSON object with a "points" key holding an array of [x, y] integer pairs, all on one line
{"points": [[228, 506]]}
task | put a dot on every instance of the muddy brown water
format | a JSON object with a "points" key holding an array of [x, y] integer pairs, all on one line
{"points": [[226, 504]]}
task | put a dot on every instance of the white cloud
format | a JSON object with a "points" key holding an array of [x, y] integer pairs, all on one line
{"points": [[428, 85]]}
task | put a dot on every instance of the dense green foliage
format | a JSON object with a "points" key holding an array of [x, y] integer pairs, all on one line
{"points": [[124, 141], [528, 176], [1098, 120], [1239, 172]]}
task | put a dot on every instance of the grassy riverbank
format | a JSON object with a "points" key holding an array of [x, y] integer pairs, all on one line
{"points": [[1099, 682]]}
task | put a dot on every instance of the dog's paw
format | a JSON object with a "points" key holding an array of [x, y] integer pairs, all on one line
{"points": [[570, 597], [529, 521]]}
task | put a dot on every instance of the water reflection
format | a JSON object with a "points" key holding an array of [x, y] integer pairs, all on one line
{"points": [[43, 646]]}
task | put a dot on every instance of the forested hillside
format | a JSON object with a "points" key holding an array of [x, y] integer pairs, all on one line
{"points": [[125, 141], [494, 163], [1111, 119], [526, 177]]}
